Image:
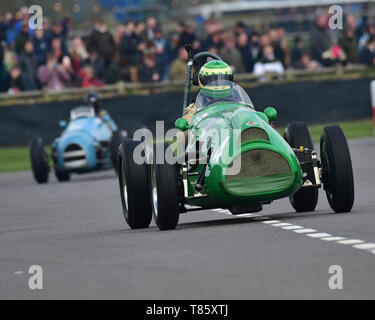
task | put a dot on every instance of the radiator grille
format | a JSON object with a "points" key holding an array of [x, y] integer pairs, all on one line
{"points": [[72, 147], [261, 162], [73, 152], [254, 133]]}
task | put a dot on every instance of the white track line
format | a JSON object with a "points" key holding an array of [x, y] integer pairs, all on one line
{"points": [[333, 238], [350, 241], [271, 221], [318, 235], [312, 233], [292, 227], [305, 230], [283, 224], [365, 246]]}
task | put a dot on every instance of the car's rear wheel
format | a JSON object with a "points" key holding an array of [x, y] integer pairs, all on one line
{"points": [[134, 185], [337, 171], [164, 190], [297, 134], [39, 160]]}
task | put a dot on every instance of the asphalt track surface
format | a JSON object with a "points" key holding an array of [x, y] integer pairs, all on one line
{"points": [[76, 232]]}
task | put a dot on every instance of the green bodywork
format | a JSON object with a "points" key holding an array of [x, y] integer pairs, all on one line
{"points": [[207, 127]]}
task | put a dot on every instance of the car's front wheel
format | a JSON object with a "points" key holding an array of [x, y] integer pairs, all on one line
{"points": [[62, 176], [164, 190], [39, 160], [337, 171]]}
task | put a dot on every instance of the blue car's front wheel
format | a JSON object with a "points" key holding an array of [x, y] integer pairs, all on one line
{"points": [[39, 160]]}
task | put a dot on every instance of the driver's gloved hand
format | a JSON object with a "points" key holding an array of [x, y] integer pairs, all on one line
{"points": [[189, 112]]}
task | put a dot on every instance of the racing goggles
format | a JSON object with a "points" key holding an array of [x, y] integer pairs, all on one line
{"points": [[204, 80]]}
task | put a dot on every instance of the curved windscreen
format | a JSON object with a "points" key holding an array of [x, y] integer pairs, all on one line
{"points": [[81, 112], [221, 91]]}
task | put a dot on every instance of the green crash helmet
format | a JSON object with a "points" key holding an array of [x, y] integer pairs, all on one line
{"points": [[214, 70]]}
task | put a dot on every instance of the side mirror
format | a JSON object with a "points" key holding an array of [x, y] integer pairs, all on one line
{"points": [[181, 124], [271, 113], [63, 123]]}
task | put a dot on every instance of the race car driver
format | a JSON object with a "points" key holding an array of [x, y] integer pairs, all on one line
{"points": [[211, 71], [94, 100]]}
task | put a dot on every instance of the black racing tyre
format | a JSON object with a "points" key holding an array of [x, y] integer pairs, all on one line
{"points": [[298, 134], [117, 137], [39, 160], [164, 190], [134, 182], [62, 176], [337, 171]]}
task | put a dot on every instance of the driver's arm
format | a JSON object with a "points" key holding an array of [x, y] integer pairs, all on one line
{"points": [[107, 119]]}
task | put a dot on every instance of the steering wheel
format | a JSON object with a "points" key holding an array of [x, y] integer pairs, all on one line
{"points": [[201, 58]]}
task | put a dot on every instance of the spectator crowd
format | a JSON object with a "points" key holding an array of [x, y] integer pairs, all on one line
{"points": [[141, 51]]}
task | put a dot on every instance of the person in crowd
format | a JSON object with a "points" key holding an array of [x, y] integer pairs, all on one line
{"points": [[10, 58], [87, 77], [5, 23], [367, 56], [140, 31], [115, 71], [101, 40], [22, 37], [305, 62], [29, 63], [40, 46], [240, 28], [58, 31], [57, 49], [78, 53], [255, 48], [97, 64], [269, 63], [281, 44], [19, 81], [178, 67], [363, 41], [320, 38], [187, 36], [334, 55], [231, 55], [55, 76], [3, 72], [349, 44], [243, 47], [119, 33], [196, 46], [163, 52], [151, 24], [149, 71], [130, 49], [297, 51]]}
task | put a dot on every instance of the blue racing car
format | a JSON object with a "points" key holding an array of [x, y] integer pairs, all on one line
{"points": [[88, 143]]}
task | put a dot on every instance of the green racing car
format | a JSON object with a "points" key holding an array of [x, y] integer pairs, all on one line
{"points": [[233, 159]]}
